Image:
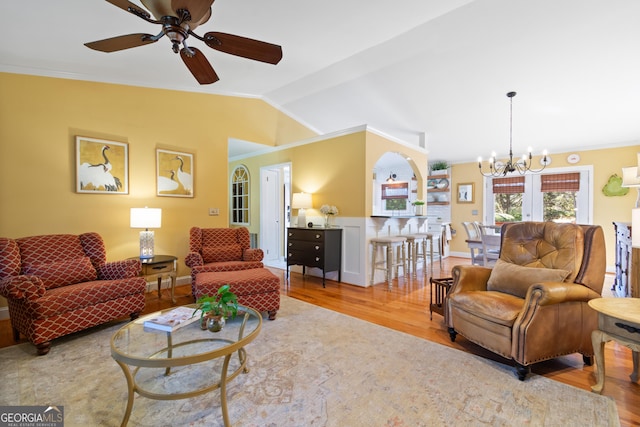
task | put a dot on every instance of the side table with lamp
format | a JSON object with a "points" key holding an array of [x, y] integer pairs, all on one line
{"points": [[153, 266]]}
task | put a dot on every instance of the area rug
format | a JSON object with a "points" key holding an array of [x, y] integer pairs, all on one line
{"points": [[309, 367]]}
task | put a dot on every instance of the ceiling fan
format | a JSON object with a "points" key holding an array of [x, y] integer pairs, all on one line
{"points": [[178, 19]]}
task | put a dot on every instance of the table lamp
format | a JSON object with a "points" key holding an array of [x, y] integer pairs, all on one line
{"points": [[146, 218], [301, 201]]}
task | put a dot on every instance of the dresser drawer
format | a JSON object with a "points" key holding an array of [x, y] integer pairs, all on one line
{"points": [[302, 245], [305, 258], [307, 235]]}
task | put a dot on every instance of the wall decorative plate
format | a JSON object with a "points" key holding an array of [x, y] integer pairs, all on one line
{"points": [[573, 158]]}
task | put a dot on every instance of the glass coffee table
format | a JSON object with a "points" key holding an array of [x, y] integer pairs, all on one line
{"points": [[186, 362]]}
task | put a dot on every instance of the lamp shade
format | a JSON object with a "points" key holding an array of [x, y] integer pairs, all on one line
{"points": [[630, 177], [301, 201], [146, 217], [635, 225]]}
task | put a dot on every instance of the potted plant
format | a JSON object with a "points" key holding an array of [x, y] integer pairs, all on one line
{"points": [[439, 167], [419, 207], [214, 310]]}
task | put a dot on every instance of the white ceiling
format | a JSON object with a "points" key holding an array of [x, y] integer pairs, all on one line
{"points": [[404, 68]]}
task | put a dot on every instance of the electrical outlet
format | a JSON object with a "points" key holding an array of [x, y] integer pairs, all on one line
{"points": [[214, 211]]}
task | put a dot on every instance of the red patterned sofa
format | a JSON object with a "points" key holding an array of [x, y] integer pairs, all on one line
{"points": [[221, 249], [61, 283]]}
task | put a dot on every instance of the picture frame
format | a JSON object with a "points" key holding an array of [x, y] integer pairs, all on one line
{"points": [[465, 192], [102, 166], [174, 173]]}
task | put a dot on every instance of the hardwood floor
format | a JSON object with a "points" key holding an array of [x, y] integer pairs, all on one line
{"points": [[406, 308]]}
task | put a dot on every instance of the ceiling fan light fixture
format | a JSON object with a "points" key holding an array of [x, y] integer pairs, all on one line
{"points": [[178, 19]]}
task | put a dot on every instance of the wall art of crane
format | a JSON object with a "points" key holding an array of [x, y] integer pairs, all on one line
{"points": [[95, 170], [174, 173]]}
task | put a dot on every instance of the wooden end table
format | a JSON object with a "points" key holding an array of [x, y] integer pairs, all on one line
{"points": [[157, 268], [619, 320]]}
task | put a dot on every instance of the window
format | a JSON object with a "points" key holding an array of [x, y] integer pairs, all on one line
{"points": [[240, 196], [559, 195], [507, 194]]}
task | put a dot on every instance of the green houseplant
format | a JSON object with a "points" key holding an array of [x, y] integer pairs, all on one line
{"points": [[214, 310], [439, 165]]}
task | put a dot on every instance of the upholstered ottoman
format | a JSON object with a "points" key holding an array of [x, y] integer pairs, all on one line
{"points": [[257, 288]]}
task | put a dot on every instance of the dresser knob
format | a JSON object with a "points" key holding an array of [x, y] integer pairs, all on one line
{"points": [[317, 236], [317, 259], [317, 247]]}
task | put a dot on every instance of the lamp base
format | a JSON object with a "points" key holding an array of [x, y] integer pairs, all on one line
{"points": [[302, 218], [146, 244]]}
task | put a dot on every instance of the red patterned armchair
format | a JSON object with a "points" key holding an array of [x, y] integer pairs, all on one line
{"points": [[221, 249], [61, 283]]}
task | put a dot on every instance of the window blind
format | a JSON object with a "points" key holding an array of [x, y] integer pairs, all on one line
{"points": [[509, 185], [560, 182]]}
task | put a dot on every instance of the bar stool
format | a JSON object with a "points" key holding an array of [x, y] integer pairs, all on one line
{"points": [[389, 263], [417, 250], [440, 248]]}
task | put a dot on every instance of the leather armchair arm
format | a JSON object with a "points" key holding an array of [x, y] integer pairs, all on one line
{"points": [[193, 259], [116, 270], [470, 278], [22, 287], [253, 254], [548, 293]]}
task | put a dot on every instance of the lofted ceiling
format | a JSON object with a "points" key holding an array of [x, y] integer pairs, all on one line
{"points": [[435, 71]]}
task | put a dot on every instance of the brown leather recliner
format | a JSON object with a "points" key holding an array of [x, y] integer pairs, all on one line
{"points": [[532, 305]]}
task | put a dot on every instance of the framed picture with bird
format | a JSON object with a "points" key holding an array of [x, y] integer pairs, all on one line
{"points": [[102, 167], [174, 173]]}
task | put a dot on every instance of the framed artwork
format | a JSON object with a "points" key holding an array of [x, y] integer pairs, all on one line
{"points": [[174, 173], [102, 167], [465, 193]]}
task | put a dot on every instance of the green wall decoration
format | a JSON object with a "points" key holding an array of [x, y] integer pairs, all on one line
{"points": [[614, 187]]}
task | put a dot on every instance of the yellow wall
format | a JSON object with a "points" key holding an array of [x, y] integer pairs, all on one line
{"points": [[377, 146], [40, 117], [337, 171], [605, 162]]}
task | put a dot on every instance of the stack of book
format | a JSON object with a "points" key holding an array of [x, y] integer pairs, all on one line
{"points": [[172, 320]]}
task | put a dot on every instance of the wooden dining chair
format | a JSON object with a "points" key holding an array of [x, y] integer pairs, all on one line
{"points": [[490, 249], [474, 242]]}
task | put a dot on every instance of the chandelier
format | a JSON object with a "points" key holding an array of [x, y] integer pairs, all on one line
{"points": [[522, 165]]}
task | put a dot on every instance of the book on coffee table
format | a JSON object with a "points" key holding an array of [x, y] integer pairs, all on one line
{"points": [[171, 320]]}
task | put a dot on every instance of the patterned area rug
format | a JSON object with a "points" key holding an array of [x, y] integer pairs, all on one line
{"points": [[310, 367]]}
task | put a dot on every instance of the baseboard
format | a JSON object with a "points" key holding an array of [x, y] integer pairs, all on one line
{"points": [[166, 283]]}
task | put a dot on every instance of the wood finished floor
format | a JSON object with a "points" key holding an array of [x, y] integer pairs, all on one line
{"points": [[406, 308]]}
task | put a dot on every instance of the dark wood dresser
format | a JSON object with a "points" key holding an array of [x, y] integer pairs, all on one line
{"points": [[315, 247], [625, 284]]}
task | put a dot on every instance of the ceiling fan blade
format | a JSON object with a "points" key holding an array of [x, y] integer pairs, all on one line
{"points": [[121, 42], [129, 7], [199, 66], [197, 8], [243, 46]]}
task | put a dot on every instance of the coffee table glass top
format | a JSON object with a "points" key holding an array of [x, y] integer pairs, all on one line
{"points": [[141, 346]]}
